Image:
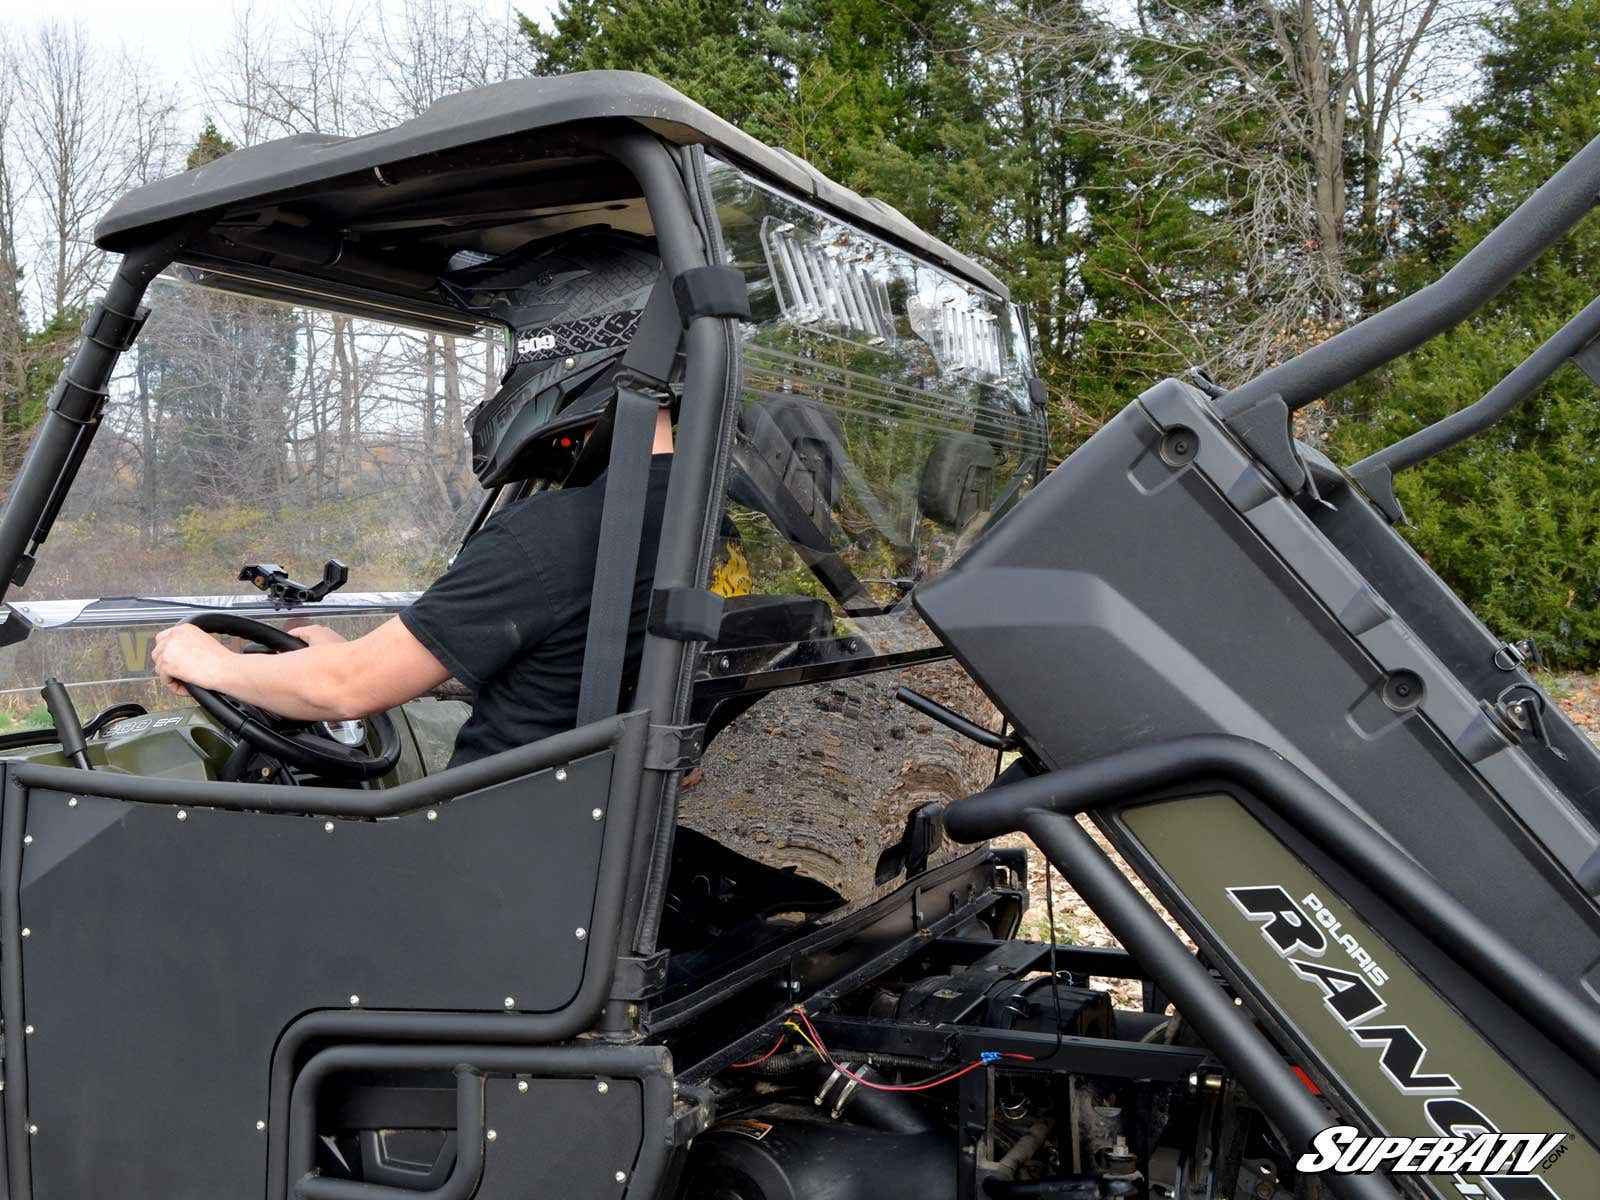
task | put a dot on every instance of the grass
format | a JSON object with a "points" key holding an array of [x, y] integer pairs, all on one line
{"points": [[37, 717]]}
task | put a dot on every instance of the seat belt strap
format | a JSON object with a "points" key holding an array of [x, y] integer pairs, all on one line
{"points": [[654, 348], [616, 565], [646, 364]]}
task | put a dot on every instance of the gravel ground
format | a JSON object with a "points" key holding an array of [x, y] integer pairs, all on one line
{"points": [[1578, 695]]}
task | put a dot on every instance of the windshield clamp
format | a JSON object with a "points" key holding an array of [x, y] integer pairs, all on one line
{"points": [[673, 747], [711, 292], [115, 330], [639, 978], [76, 403], [685, 614]]}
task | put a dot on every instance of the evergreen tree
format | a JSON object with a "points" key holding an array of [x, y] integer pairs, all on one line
{"points": [[902, 102], [1512, 518]]}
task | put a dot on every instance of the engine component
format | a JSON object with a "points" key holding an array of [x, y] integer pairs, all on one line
{"points": [[1026, 1147], [978, 998], [1120, 1175], [888, 1111], [773, 1156], [1063, 1187]]}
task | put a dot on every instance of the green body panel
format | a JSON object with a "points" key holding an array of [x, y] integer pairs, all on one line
{"points": [[1209, 844], [184, 743], [181, 743]]}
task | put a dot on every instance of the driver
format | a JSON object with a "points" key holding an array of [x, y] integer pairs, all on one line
{"points": [[509, 618]]}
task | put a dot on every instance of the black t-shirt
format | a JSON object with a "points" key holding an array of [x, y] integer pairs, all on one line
{"points": [[511, 615]]}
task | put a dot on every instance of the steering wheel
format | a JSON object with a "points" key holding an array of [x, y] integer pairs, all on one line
{"points": [[290, 741]]}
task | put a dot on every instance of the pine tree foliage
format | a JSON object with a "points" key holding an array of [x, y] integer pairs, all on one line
{"points": [[1512, 518], [902, 101]]}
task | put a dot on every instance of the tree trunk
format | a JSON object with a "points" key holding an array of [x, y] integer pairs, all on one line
{"points": [[822, 779], [430, 397], [148, 531], [347, 400], [452, 423]]}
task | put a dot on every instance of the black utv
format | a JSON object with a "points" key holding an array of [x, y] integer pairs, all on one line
{"points": [[741, 934]]}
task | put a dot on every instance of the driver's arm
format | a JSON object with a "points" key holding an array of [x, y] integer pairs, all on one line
{"points": [[329, 680]]}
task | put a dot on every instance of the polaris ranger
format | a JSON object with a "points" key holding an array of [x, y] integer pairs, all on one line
{"points": [[653, 957]]}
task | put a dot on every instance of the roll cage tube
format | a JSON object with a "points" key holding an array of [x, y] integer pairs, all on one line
{"points": [[683, 559], [1376, 472], [664, 676], [71, 417], [1257, 412], [1126, 776]]}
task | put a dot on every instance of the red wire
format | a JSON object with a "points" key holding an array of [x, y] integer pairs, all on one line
{"points": [[922, 1086], [756, 1062]]}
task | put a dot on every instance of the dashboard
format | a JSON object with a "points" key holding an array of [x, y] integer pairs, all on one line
{"points": [[184, 743]]}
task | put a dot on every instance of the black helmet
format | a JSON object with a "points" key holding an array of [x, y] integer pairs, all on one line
{"points": [[572, 303]]}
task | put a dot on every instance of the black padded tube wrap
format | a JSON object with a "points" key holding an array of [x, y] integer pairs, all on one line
{"points": [[716, 374], [694, 461], [1542, 219], [14, 1067]]}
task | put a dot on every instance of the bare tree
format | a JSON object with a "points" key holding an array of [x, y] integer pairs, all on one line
{"points": [[298, 70], [90, 126], [1277, 97], [236, 80], [13, 368], [434, 48]]}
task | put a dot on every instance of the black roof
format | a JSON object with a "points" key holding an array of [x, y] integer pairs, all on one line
{"points": [[307, 164]]}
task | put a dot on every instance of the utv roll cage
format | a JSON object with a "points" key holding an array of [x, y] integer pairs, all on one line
{"points": [[568, 842], [298, 221], [1257, 412]]}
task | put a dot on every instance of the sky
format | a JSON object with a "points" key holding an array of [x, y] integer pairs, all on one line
{"points": [[175, 36], [177, 39]]}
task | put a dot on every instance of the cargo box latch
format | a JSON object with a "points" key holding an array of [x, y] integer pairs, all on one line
{"points": [[1520, 653]]}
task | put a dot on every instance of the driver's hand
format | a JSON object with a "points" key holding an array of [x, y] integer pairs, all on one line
{"points": [[316, 635], [187, 654]]}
